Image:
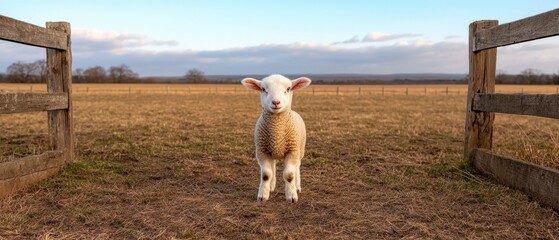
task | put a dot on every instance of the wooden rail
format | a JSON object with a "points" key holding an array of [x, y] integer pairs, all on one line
{"points": [[25, 33], [32, 102], [527, 29], [19, 173], [539, 182], [541, 105]]}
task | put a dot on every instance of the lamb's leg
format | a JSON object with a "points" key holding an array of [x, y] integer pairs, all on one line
{"points": [[298, 176], [265, 179], [273, 183], [289, 176]]}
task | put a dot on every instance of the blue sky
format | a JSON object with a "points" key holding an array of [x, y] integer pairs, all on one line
{"points": [[166, 38]]}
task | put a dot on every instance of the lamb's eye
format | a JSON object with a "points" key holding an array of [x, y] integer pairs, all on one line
{"points": [[288, 89], [264, 90]]}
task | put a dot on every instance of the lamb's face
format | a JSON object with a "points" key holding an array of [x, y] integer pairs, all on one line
{"points": [[276, 91]]}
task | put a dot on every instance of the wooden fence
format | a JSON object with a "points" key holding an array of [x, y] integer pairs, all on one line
{"points": [[541, 183], [57, 101]]}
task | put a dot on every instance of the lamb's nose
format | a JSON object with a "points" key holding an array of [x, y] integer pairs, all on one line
{"points": [[276, 102]]}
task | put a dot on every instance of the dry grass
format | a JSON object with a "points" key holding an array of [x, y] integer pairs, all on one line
{"points": [[343, 90], [182, 166]]}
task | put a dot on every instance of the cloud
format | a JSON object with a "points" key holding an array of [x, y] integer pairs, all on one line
{"points": [[296, 58], [151, 57], [85, 41], [377, 37], [381, 37]]}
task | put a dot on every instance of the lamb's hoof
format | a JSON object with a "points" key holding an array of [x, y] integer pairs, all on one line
{"points": [[298, 190], [261, 199], [292, 199]]}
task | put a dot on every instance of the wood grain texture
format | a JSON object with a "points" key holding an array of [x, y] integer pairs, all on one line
{"points": [[541, 183], [31, 164], [479, 125], [531, 28], [12, 185], [542, 105], [59, 80], [25, 33], [31, 102]]}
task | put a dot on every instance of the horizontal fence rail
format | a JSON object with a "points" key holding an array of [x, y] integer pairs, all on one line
{"points": [[531, 28], [523, 104], [539, 182], [21, 32], [27, 165], [22, 172], [32, 102]]}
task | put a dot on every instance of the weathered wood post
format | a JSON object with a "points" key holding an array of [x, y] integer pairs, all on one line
{"points": [[479, 125], [59, 80]]}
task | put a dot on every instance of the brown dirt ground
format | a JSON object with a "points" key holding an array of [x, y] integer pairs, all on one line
{"points": [[182, 167]]}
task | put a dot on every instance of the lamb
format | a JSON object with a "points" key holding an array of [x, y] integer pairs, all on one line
{"points": [[279, 134]]}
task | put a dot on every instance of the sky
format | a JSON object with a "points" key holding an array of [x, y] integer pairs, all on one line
{"points": [[241, 37]]}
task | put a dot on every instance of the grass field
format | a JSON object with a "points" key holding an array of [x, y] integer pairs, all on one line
{"points": [[181, 166], [342, 90]]}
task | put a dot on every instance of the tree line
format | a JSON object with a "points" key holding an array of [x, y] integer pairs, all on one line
{"points": [[35, 72], [527, 76]]}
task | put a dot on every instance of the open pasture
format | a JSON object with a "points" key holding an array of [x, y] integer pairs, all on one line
{"points": [[379, 90], [177, 165]]}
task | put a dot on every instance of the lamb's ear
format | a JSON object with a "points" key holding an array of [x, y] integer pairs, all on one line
{"points": [[251, 83], [300, 83]]}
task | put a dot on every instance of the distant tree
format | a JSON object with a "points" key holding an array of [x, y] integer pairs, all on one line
{"points": [[78, 76], [122, 73], [195, 76], [95, 74], [20, 72], [554, 78], [501, 77], [2, 77], [530, 76], [40, 70]]}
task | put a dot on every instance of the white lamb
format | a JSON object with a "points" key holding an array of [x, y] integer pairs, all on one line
{"points": [[279, 134]]}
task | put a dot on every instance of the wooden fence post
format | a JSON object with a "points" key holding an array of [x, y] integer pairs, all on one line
{"points": [[59, 79], [479, 125]]}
